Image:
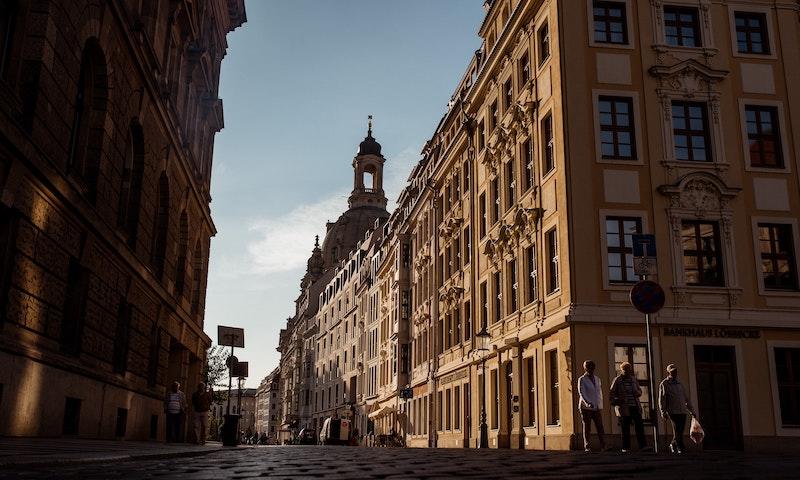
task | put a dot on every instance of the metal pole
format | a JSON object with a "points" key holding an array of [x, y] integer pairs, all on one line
{"points": [[653, 416], [484, 442], [230, 380]]}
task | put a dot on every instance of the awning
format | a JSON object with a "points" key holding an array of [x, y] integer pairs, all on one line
{"points": [[382, 412]]}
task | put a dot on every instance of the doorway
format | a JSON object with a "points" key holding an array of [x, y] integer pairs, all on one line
{"points": [[718, 396]]}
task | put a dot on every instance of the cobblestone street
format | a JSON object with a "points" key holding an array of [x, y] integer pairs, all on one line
{"points": [[347, 463]]}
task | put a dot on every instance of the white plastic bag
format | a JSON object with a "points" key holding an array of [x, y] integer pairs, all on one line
{"points": [[696, 431]]}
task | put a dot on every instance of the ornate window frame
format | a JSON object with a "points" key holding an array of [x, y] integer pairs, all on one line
{"points": [[702, 196], [637, 126], [751, 7], [660, 44], [629, 24], [691, 81], [786, 147], [791, 221], [642, 216]]}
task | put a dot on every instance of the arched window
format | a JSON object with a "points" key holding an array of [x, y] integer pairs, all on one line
{"points": [[130, 194], [88, 126], [197, 274], [183, 246], [161, 226]]}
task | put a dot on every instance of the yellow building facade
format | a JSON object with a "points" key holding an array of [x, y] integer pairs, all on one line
{"points": [[578, 124]]}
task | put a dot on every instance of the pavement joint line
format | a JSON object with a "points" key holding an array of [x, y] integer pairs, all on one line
{"points": [[108, 459]]}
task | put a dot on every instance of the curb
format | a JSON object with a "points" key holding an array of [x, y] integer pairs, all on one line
{"points": [[107, 459]]}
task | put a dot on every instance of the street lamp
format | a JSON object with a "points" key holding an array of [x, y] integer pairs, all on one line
{"points": [[484, 342]]}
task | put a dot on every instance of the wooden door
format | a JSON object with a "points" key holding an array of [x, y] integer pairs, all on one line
{"points": [[718, 396]]}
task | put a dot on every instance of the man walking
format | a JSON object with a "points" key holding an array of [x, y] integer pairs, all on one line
{"points": [[590, 402], [674, 404], [201, 404], [625, 393], [174, 407]]}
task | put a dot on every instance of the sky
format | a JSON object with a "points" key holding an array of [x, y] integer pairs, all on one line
{"points": [[297, 83]]}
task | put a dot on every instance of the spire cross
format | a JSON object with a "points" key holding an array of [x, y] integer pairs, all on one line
{"points": [[316, 241], [369, 121]]}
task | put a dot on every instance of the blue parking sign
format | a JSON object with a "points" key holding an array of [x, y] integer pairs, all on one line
{"points": [[644, 245]]}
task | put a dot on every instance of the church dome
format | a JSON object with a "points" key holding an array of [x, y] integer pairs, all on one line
{"points": [[369, 146]]}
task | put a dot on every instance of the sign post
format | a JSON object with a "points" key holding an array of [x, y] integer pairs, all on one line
{"points": [[230, 337]]}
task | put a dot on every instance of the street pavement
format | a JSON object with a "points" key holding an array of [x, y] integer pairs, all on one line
{"points": [[300, 462]]}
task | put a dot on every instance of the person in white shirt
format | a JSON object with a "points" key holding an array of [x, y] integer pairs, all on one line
{"points": [[590, 403]]}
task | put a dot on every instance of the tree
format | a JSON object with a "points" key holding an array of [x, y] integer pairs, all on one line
{"points": [[216, 372]]}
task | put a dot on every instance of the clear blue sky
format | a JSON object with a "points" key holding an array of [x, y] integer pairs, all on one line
{"points": [[298, 82]]}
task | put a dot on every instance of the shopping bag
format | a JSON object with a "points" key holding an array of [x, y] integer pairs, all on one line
{"points": [[696, 431]]}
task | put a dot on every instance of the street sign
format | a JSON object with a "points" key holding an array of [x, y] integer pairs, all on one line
{"points": [[240, 370], [230, 336], [231, 360], [407, 393], [644, 255], [647, 297]]}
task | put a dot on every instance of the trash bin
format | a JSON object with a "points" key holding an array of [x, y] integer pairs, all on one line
{"points": [[230, 431]]}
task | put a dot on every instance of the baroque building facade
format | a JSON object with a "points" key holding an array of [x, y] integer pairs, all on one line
{"points": [[577, 125], [109, 113], [268, 406]]}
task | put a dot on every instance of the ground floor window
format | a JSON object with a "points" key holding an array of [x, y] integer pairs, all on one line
{"points": [[787, 371], [554, 407], [636, 355]]}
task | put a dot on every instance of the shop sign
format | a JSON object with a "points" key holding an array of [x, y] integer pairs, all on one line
{"points": [[712, 332], [455, 376]]}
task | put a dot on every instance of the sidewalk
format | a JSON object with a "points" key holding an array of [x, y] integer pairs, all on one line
{"points": [[22, 451]]}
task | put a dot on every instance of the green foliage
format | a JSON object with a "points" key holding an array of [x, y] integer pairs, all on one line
{"points": [[216, 372]]}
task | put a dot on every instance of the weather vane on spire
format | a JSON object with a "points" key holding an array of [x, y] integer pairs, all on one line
{"points": [[369, 122], [316, 241]]}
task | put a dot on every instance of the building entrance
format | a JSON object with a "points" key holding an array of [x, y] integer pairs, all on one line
{"points": [[718, 396]]}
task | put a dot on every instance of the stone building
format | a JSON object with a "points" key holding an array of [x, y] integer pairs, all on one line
{"points": [[244, 406], [109, 113], [268, 406]]}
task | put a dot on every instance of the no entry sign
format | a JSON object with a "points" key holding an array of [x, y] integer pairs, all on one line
{"points": [[647, 297]]}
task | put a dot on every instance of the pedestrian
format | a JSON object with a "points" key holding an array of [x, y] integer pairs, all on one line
{"points": [[625, 393], [202, 399], [674, 404], [354, 439], [590, 403], [175, 408]]}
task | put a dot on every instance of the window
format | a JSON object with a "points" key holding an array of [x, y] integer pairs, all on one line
{"points": [[467, 321], [121, 425], [778, 267], [636, 355], [441, 405], [690, 132], [530, 393], [457, 408], [161, 226], [682, 26], [183, 248], [484, 306], [72, 416], [131, 187], [495, 185], [497, 284], [524, 69], [554, 407], [751, 33], [482, 203], [466, 177], [619, 245], [508, 94], [494, 395], [448, 415], [549, 143], [552, 254], [511, 182], [527, 165], [617, 134], [533, 280], [493, 116], [610, 22], [702, 258], [513, 304], [544, 44], [74, 313], [787, 371], [122, 338], [763, 136], [467, 238], [481, 136]]}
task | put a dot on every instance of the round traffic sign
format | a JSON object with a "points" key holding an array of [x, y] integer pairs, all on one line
{"points": [[647, 296], [231, 360]]}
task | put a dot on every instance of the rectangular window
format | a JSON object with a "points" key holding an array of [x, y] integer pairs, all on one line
{"points": [[467, 321], [533, 276], [508, 94], [513, 304], [610, 22], [636, 355], [467, 177], [549, 143], [751, 33], [530, 391], [493, 116], [74, 307], [498, 296], [690, 132], [467, 238], [787, 371], [441, 411], [494, 395], [511, 183], [448, 410], [527, 165], [524, 69], [456, 408], [484, 306], [552, 255], [682, 26], [702, 257], [481, 136], [778, 267], [619, 245], [763, 136], [482, 203], [544, 44], [554, 407], [495, 185], [617, 133]]}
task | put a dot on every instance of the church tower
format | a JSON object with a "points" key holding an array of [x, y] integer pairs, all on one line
{"points": [[368, 171]]}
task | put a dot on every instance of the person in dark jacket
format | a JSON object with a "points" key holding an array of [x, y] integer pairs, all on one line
{"points": [[674, 404], [625, 393]]}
